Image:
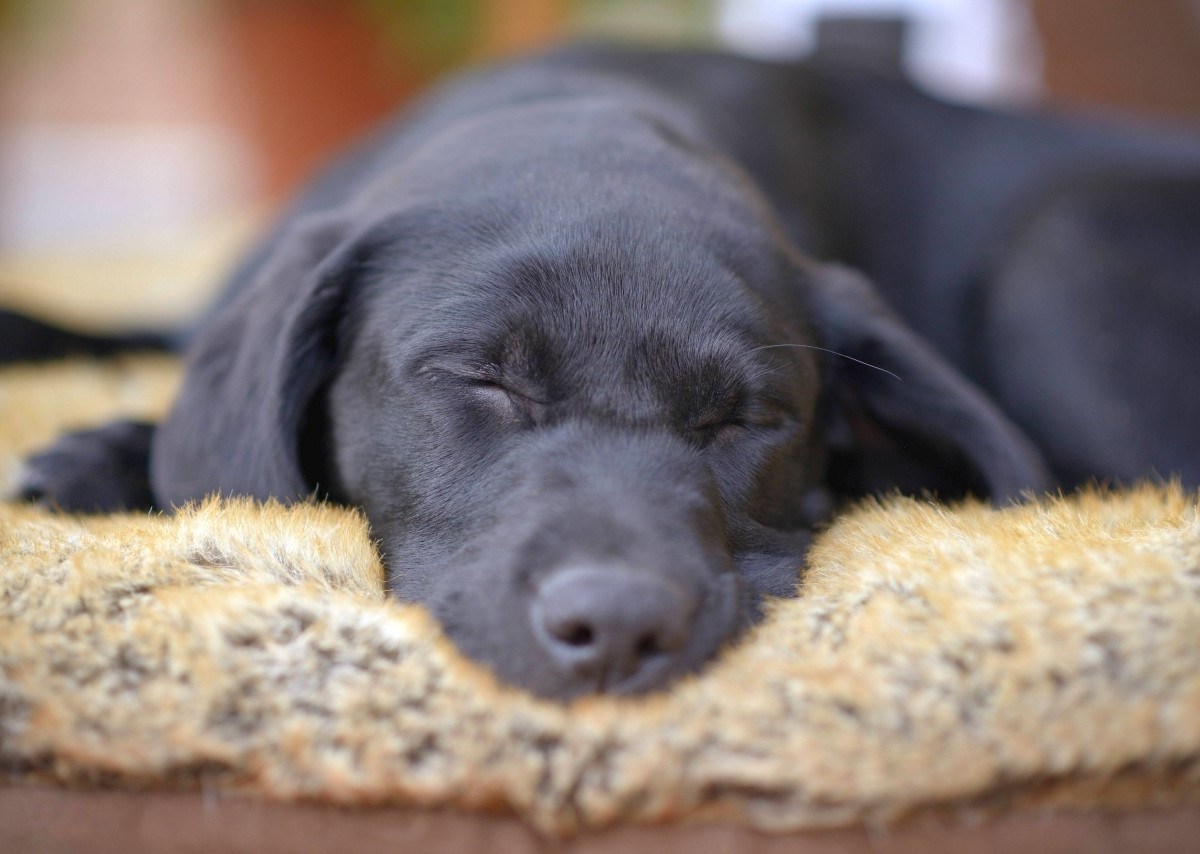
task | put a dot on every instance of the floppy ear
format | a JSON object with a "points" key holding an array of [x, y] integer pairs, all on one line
{"points": [[253, 371], [911, 421]]}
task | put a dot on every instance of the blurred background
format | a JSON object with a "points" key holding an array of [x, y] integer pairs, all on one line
{"points": [[141, 140]]}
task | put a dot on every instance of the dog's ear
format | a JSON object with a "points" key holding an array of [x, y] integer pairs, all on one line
{"points": [[254, 370], [899, 415]]}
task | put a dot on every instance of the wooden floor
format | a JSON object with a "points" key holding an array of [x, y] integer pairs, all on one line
{"points": [[37, 820]]}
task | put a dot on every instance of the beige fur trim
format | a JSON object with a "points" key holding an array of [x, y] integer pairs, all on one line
{"points": [[1047, 653]]}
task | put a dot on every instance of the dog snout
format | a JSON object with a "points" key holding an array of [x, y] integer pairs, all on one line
{"points": [[610, 628]]}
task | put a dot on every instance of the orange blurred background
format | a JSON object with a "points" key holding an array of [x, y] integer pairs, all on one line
{"points": [[144, 142], [145, 122]]}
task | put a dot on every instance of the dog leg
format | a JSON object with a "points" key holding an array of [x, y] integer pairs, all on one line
{"points": [[102, 470]]}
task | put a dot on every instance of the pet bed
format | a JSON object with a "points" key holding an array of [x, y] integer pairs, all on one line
{"points": [[938, 660]]}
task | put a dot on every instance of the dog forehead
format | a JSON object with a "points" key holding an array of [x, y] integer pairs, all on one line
{"points": [[596, 300], [608, 290]]}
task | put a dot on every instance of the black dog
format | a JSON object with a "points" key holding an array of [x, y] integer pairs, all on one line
{"points": [[555, 334]]}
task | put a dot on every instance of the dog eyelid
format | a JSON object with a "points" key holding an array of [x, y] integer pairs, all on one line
{"points": [[709, 433], [490, 388], [748, 414], [512, 405], [474, 374], [490, 384], [501, 401], [719, 423]]}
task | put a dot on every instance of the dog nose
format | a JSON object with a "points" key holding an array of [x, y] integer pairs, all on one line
{"points": [[610, 628]]}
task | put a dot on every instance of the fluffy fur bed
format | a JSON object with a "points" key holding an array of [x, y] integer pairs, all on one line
{"points": [[936, 657]]}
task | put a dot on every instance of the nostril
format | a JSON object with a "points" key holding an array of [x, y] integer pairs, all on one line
{"points": [[577, 635], [648, 646], [610, 625]]}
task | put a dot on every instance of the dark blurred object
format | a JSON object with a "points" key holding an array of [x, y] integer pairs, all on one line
{"points": [[875, 44], [1115, 53], [27, 339]]}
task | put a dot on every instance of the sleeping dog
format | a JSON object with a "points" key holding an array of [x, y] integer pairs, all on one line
{"points": [[560, 333]]}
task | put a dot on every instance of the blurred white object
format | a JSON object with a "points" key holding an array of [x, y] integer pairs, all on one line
{"points": [[117, 129], [97, 186], [968, 50]]}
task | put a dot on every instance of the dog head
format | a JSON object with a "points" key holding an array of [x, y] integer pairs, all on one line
{"points": [[591, 409]]}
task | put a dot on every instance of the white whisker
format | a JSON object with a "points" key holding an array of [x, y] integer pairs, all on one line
{"points": [[827, 350]]}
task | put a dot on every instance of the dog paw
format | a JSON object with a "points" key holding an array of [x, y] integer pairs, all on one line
{"points": [[102, 470]]}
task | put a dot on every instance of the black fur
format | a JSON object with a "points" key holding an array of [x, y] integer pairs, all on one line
{"points": [[24, 338], [102, 470], [555, 334]]}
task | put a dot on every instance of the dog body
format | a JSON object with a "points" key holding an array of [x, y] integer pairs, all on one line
{"points": [[558, 334]]}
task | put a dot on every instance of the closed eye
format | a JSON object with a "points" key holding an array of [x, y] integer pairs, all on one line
{"points": [[490, 389], [749, 416], [484, 384], [717, 430], [507, 402]]}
